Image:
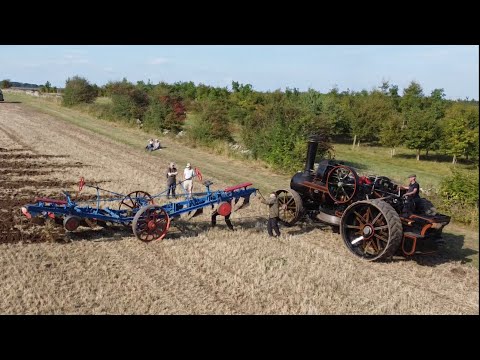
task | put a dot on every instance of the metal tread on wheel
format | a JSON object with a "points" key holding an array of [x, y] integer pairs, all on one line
{"points": [[371, 229]]}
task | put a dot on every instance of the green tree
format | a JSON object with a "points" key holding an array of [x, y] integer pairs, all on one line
{"points": [[313, 101], [391, 132], [185, 90], [235, 86], [212, 123], [338, 112], [384, 87], [370, 113], [422, 132], [6, 83], [461, 187], [129, 102], [460, 129], [438, 103], [78, 90], [411, 102]]}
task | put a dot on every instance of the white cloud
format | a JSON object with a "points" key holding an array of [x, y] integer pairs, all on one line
{"points": [[75, 59], [158, 61], [108, 69]]}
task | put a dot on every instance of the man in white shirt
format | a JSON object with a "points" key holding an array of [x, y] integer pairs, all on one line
{"points": [[188, 174]]}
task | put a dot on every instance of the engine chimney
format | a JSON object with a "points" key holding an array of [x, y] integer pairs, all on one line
{"points": [[311, 152]]}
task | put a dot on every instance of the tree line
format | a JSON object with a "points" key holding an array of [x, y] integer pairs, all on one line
{"points": [[273, 125], [47, 88]]}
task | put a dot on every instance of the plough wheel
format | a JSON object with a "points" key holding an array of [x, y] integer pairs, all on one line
{"points": [[71, 223], [290, 206], [371, 230], [342, 184], [224, 208], [135, 200], [151, 223]]}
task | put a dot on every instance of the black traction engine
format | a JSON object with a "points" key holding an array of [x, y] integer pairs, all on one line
{"points": [[366, 210]]}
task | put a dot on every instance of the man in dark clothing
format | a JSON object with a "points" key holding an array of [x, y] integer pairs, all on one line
{"points": [[171, 180], [412, 196], [272, 203]]}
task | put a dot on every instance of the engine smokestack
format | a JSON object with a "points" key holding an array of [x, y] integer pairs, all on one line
{"points": [[311, 152]]}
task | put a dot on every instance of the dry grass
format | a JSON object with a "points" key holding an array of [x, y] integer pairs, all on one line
{"points": [[198, 270]]}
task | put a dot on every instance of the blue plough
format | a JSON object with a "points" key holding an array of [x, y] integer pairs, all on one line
{"points": [[148, 220]]}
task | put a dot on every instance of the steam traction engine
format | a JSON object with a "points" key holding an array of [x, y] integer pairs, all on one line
{"points": [[366, 210]]}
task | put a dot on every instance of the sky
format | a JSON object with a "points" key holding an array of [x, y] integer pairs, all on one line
{"points": [[455, 68]]}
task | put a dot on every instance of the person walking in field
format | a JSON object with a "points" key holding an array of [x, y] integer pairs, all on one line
{"points": [[172, 173], [273, 213], [188, 175]]}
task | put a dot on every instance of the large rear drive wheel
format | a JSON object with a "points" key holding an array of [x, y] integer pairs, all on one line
{"points": [[371, 230], [290, 206], [151, 223]]}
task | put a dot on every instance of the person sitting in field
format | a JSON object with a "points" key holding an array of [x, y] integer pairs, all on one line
{"points": [[156, 145], [149, 146]]}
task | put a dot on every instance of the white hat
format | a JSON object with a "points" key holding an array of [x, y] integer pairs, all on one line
{"points": [[188, 165]]}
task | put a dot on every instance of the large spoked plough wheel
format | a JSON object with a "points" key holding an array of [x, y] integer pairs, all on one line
{"points": [[290, 206], [134, 200], [151, 223], [371, 229], [342, 184]]}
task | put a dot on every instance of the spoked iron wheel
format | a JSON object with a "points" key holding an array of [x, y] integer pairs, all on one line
{"points": [[151, 223], [342, 184], [290, 206], [134, 200], [371, 230]]}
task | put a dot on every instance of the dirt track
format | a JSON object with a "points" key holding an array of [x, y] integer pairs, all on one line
{"points": [[195, 270]]}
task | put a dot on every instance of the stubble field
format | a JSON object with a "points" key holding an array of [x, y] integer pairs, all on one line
{"points": [[195, 269]]}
